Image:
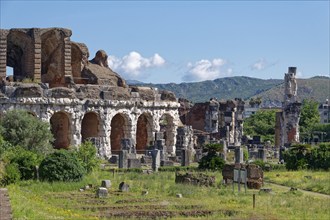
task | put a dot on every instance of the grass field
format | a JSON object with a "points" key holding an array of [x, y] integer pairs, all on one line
{"points": [[40, 200], [315, 181]]}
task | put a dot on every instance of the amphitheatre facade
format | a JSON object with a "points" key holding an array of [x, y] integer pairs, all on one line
{"points": [[82, 99]]}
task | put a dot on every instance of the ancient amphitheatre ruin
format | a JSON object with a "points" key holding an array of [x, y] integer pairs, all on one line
{"points": [[82, 99]]}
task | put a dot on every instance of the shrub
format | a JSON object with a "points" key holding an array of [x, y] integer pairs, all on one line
{"points": [[320, 157], [296, 158], [23, 129], [212, 160], [11, 175], [86, 154], [62, 165], [26, 161]]}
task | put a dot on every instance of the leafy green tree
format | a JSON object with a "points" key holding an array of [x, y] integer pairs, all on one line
{"points": [[262, 123], [212, 160], [20, 128], [309, 116], [86, 154], [320, 157]]}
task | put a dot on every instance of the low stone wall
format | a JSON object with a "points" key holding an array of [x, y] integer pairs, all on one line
{"points": [[197, 179]]}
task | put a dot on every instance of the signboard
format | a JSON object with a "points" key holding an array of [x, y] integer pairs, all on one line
{"points": [[240, 174]]}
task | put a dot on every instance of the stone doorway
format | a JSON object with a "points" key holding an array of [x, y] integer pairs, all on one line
{"points": [[90, 126], [144, 134], [60, 127]]}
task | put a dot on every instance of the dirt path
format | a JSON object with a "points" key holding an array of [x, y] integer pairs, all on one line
{"points": [[301, 190], [5, 208]]}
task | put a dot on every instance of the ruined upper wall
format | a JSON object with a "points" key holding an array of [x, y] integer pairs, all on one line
{"points": [[48, 55]]}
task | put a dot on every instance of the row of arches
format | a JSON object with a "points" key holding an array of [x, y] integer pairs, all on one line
{"points": [[121, 127]]}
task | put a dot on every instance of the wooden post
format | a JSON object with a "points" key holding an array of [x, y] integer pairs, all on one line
{"points": [[254, 200]]}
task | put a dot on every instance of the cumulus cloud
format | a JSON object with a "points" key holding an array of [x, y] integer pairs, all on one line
{"points": [[207, 70], [259, 64], [134, 64]]}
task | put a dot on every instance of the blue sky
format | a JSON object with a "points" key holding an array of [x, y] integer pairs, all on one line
{"points": [[184, 41]]}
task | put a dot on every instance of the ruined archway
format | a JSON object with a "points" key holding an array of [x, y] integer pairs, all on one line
{"points": [[144, 134], [167, 127], [60, 127], [20, 55], [90, 126], [119, 130], [52, 61]]}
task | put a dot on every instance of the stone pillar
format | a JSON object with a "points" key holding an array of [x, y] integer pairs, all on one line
{"points": [[37, 55], [262, 154], [185, 158], [155, 160], [238, 155], [3, 53], [123, 157]]}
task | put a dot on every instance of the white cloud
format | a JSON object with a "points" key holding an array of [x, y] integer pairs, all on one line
{"points": [[207, 70], [134, 65], [259, 65]]}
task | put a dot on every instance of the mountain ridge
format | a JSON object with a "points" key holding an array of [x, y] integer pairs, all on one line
{"points": [[244, 87]]}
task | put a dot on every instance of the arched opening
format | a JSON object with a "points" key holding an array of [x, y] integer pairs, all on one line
{"points": [[60, 127], [119, 130], [52, 62], [167, 127], [144, 135], [19, 57], [90, 126]]}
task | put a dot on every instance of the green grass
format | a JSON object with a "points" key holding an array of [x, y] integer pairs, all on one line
{"points": [[315, 181], [41, 200]]}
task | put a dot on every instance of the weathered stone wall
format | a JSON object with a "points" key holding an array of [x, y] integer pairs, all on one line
{"points": [[75, 109]]}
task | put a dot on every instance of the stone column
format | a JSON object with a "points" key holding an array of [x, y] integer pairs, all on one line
{"points": [[37, 55], [3, 53]]}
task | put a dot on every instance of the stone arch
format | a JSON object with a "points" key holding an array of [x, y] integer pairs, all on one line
{"points": [[90, 126], [79, 58], [144, 132], [61, 129], [166, 124], [52, 60], [120, 128], [20, 55]]}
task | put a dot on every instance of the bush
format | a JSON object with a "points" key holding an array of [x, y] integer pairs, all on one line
{"points": [[320, 157], [11, 175], [86, 154], [61, 165], [23, 129], [212, 160], [26, 161]]}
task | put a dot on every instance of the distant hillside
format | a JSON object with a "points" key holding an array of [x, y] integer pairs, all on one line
{"points": [[223, 88], [271, 90], [317, 88]]}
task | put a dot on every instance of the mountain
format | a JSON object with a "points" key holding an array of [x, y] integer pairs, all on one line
{"points": [[271, 90], [316, 88]]}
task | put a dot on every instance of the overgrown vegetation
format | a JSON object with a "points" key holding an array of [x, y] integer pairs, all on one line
{"points": [[212, 160], [20, 128], [61, 165], [262, 123], [303, 156]]}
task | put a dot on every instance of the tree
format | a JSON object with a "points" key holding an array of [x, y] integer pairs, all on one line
{"points": [[86, 154], [212, 159], [20, 128], [309, 116], [262, 123]]}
